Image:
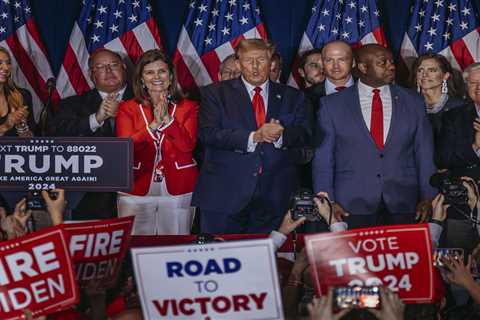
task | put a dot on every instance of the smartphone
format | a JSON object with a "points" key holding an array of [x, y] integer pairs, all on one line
{"points": [[356, 297], [452, 253]]}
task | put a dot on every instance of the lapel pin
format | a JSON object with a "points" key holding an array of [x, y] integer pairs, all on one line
{"points": [[278, 96], [396, 97]]}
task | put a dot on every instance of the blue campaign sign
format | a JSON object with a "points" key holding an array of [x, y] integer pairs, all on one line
{"points": [[80, 164]]}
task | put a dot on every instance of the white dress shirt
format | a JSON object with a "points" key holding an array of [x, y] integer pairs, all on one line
{"points": [[330, 87], [366, 95], [94, 125], [251, 145]]}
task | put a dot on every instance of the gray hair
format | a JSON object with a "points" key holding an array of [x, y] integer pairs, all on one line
{"points": [[470, 69]]}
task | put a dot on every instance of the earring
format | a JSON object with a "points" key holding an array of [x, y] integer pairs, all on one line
{"points": [[444, 86], [418, 89]]}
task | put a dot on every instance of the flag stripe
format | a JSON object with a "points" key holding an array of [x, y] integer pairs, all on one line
{"points": [[211, 62], [461, 53], [154, 33], [183, 73], [131, 44], [74, 72]]}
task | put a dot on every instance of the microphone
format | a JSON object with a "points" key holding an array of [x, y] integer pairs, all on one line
{"points": [[50, 85]]}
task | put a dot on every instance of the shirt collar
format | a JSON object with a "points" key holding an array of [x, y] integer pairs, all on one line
{"points": [[330, 87], [119, 93], [250, 88], [362, 87]]}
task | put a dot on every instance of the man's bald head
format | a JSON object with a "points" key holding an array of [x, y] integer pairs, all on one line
{"points": [[375, 65], [337, 58]]}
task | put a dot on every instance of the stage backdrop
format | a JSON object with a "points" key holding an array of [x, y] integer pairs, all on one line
{"points": [[285, 22]]}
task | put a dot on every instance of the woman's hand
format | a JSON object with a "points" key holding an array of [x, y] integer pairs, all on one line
{"points": [[160, 112], [21, 213], [16, 116]]}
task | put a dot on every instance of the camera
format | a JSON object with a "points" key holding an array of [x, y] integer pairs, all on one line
{"points": [[35, 200], [452, 253], [304, 206], [451, 186], [356, 297]]}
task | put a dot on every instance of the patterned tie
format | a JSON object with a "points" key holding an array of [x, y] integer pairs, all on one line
{"points": [[376, 121], [258, 107], [340, 88]]}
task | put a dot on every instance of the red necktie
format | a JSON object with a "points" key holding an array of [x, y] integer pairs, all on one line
{"points": [[340, 88], [258, 107], [376, 122]]}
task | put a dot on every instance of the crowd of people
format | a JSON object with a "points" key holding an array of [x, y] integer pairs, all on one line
{"points": [[231, 160]]}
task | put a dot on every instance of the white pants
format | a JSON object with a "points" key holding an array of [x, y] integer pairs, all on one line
{"points": [[155, 215]]}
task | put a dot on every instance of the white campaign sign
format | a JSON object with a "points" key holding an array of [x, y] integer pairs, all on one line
{"points": [[229, 280]]}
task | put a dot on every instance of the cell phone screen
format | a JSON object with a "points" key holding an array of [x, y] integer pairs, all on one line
{"points": [[356, 297]]}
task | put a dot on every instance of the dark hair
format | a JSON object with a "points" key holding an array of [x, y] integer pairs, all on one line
{"points": [[306, 54], [455, 85], [277, 56], [139, 90]]}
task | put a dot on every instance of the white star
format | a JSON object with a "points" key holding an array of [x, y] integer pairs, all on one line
{"points": [[314, 9], [244, 20], [449, 21], [418, 27], [208, 41], [136, 4], [132, 18], [2, 30], [232, 2], [334, 30], [6, 1], [225, 31], [452, 7], [321, 27], [377, 13], [464, 25], [229, 16], [118, 14], [17, 19], [102, 9], [95, 38], [466, 11], [192, 5], [202, 8], [338, 16], [257, 10], [17, 5], [432, 32], [352, 4], [345, 35], [325, 12], [428, 46], [89, 20], [28, 10], [361, 23], [246, 6], [149, 8], [211, 27], [113, 28], [439, 3], [4, 15], [446, 35], [121, 1], [363, 8], [215, 12], [348, 19], [436, 17], [421, 13], [98, 24], [198, 22]]}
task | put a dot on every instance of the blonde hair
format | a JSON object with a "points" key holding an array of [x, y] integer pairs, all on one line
{"points": [[258, 44], [13, 95]]}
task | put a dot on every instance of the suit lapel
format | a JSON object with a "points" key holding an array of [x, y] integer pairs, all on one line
{"points": [[358, 116], [243, 104], [274, 99], [395, 113]]}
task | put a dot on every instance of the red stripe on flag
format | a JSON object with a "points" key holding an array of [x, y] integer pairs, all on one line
{"points": [[461, 53], [212, 64], [184, 76], [296, 75], [155, 32], [28, 68], [130, 42], [380, 36], [32, 30], [356, 44], [234, 42], [74, 72], [262, 31]]}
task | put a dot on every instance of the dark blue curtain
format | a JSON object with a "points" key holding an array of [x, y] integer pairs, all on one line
{"points": [[285, 21]]}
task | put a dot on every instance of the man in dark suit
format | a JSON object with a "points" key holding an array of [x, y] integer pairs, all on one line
{"points": [[93, 115], [247, 125], [376, 153]]}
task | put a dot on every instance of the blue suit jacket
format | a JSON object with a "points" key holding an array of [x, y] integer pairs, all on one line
{"points": [[229, 174], [355, 173]]}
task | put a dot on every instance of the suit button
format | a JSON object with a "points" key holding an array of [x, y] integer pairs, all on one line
{"points": [[381, 155], [379, 175], [262, 153], [255, 174]]}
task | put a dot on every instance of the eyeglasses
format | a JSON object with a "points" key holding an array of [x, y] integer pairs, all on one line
{"points": [[111, 66]]}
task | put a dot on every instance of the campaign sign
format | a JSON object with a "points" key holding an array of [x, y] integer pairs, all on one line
{"points": [[398, 257], [98, 248], [229, 280], [81, 164], [36, 273]]}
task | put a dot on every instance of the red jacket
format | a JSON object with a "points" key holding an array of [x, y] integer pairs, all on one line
{"points": [[176, 142]]}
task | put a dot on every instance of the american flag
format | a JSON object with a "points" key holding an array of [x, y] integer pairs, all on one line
{"points": [[210, 33], [354, 21], [124, 26], [450, 28], [19, 35]]}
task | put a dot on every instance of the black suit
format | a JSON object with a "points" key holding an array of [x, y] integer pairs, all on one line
{"points": [[72, 120]]}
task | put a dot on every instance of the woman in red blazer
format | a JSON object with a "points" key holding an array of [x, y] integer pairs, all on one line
{"points": [[163, 127]]}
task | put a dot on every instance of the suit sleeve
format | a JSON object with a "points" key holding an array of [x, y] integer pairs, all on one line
{"points": [[324, 161], [183, 135], [211, 132], [69, 122], [296, 135], [424, 156], [124, 125]]}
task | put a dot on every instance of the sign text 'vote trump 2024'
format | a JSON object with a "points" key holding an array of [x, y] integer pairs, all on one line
{"points": [[83, 164]]}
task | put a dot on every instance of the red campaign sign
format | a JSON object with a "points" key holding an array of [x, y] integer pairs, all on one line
{"points": [[98, 248], [398, 257], [36, 273]]}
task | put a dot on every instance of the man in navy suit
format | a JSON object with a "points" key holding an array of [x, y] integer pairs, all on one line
{"points": [[375, 157], [247, 126]]}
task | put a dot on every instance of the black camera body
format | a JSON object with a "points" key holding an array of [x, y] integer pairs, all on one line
{"points": [[451, 186], [35, 200], [303, 206]]}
